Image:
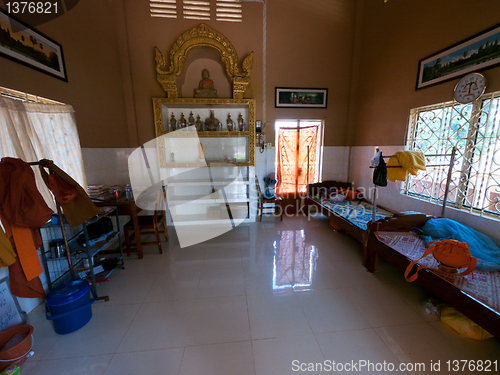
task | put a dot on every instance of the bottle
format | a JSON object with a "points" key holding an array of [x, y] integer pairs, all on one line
{"points": [[128, 192], [101, 238], [191, 119], [182, 121], [241, 123], [229, 123], [173, 123]]}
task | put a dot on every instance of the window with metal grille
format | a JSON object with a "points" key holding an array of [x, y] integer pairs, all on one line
{"points": [[474, 130], [163, 8], [196, 9], [228, 10]]}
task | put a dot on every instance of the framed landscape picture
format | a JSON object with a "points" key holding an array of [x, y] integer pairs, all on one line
{"points": [[479, 52], [300, 98], [21, 43]]}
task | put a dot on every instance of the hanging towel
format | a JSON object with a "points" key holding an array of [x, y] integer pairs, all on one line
{"points": [[409, 162], [77, 210]]}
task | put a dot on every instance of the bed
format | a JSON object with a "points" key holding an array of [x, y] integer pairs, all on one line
{"points": [[476, 297], [351, 216]]}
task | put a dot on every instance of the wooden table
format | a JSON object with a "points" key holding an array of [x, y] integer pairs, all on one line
{"points": [[129, 208]]}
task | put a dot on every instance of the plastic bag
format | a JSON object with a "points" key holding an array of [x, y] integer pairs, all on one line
{"points": [[463, 325]]}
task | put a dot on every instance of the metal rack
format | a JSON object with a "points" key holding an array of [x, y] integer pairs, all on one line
{"points": [[448, 179], [77, 260]]}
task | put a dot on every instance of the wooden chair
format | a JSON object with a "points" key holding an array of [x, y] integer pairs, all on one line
{"points": [[261, 201], [149, 224]]}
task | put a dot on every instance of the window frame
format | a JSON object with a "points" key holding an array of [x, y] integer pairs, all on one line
{"points": [[465, 179]]}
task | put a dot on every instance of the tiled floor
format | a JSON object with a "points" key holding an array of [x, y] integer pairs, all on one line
{"points": [[264, 299]]}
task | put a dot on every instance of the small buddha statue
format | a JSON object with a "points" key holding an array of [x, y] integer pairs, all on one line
{"points": [[205, 87]]}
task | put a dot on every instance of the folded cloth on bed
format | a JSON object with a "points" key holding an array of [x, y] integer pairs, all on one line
{"points": [[409, 161], [481, 246]]}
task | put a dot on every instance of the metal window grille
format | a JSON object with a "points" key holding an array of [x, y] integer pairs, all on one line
{"points": [[163, 8], [196, 9], [228, 10], [474, 129]]}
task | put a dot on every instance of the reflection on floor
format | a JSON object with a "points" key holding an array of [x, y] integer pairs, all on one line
{"points": [[266, 298]]}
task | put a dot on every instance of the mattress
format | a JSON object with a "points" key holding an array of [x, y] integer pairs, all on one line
{"points": [[481, 285], [357, 212]]}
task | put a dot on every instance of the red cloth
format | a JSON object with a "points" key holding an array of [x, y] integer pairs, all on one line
{"points": [[22, 209]]}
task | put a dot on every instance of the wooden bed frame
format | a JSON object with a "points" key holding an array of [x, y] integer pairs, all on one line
{"points": [[477, 311]]}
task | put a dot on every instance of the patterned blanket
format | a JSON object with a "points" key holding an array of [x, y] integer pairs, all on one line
{"points": [[357, 212], [483, 286]]}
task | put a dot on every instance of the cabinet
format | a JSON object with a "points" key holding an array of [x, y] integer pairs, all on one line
{"points": [[218, 146], [208, 173], [81, 262]]}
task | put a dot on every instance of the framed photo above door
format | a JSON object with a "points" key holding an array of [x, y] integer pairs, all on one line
{"points": [[300, 98]]}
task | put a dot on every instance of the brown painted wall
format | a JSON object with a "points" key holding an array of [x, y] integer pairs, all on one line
{"points": [[365, 52], [108, 49], [309, 44], [94, 88], [393, 38]]}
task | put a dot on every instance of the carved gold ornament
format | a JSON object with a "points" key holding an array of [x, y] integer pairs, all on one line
{"points": [[203, 35]]}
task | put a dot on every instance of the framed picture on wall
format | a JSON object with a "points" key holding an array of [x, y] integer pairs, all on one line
{"points": [[25, 45], [300, 98], [479, 52]]}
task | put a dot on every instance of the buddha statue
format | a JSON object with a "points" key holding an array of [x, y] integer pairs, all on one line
{"points": [[205, 87]]}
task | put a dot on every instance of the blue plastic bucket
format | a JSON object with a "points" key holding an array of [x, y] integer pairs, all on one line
{"points": [[69, 306]]}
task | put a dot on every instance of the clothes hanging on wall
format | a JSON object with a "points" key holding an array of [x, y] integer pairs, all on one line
{"points": [[409, 162], [22, 209]]}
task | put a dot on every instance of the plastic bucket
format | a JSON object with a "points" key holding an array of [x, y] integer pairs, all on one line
{"points": [[69, 306], [17, 354]]}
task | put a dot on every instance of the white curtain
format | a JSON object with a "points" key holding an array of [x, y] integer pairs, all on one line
{"points": [[33, 131]]}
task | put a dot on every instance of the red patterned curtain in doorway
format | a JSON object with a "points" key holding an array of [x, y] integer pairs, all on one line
{"points": [[294, 158]]}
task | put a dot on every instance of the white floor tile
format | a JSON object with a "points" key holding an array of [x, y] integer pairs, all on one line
{"points": [[273, 315], [381, 306], [218, 320], [81, 365], [420, 344], [359, 352], [221, 282], [101, 335], [158, 325], [287, 355], [167, 361], [330, 311], [175, 283], [234, 358]]}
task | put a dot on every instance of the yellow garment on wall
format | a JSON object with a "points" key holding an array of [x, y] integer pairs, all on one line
{"points": [[409, 162]]}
